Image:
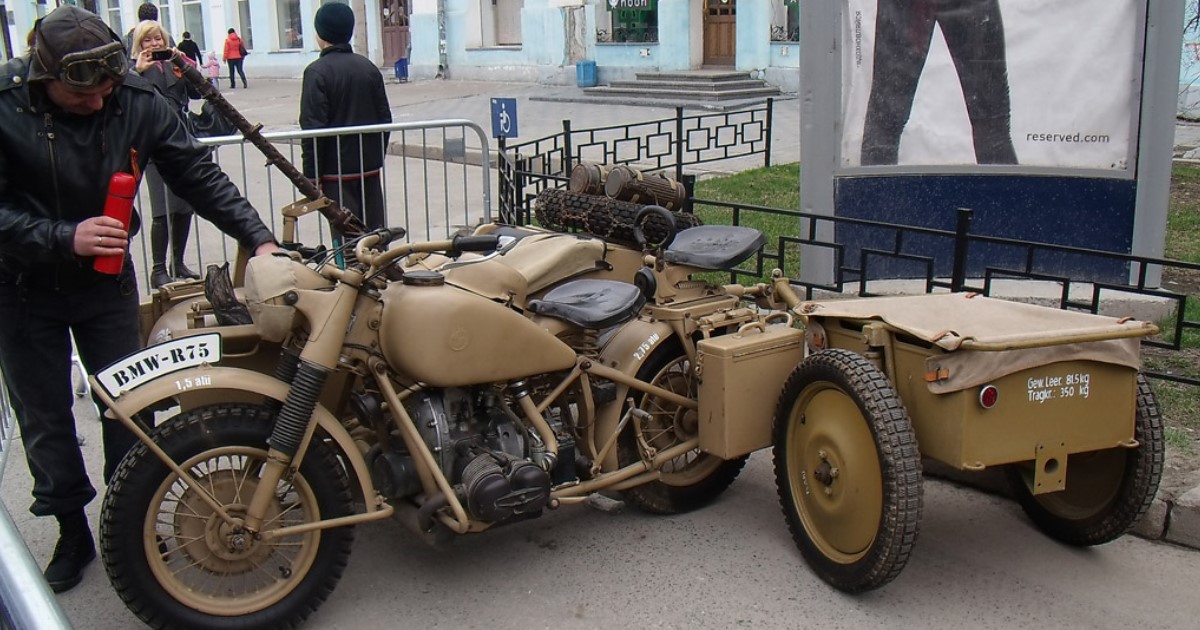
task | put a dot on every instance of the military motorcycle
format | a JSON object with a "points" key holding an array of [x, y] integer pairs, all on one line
{"points": [[464, 384]]}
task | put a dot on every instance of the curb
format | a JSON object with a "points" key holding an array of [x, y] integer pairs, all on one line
{"points": [[1176, 522]]}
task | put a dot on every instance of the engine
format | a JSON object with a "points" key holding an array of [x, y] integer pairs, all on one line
{"points": [[499, 469]]}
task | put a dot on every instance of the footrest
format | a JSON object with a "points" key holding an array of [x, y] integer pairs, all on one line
{"points": [[717, 247], [594, 304]]}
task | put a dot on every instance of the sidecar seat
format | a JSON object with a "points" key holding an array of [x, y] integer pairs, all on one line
{"points": [[592, 304], [716, 247]]}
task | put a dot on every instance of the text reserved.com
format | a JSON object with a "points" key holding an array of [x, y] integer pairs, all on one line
{"points": [[1081, 138]]}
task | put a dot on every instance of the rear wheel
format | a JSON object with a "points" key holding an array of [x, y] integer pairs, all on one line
{"points": [[692, 480], [1107, 492], [848, 470], [177, 563]]}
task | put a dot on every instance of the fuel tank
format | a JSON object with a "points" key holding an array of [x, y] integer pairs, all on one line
{"points": [[449, 337]]}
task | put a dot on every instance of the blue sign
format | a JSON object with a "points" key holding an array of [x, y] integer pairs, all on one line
{"points": [[504, 118]]}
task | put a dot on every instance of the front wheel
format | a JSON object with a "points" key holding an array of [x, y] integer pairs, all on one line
{"points": [[1107, 492], [847, 470], [177, 564]]}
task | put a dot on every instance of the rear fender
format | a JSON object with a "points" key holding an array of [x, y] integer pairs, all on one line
{"points": [[238, 384]]}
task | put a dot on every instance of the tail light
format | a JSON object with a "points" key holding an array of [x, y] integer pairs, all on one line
{"points": [[988, 396]]}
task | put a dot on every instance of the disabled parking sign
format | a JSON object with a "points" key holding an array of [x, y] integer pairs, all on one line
{"points": [[504, 118]]}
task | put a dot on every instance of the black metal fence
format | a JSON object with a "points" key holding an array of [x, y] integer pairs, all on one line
{"points": [[940, 260], [856, 252], [668, 144]]}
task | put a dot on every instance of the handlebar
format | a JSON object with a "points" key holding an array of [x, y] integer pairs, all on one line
{"points": [[368, 248]]}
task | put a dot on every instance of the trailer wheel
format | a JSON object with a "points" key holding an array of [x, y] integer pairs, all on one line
{"points": [[848, 470], [1108, 491]]}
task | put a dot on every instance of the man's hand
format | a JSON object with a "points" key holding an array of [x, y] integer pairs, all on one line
{"points": [[270, 247], [100, 236]]}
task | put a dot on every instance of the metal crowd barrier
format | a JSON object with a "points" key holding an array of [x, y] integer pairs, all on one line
{"points": [[26, 602], [436, 179]]}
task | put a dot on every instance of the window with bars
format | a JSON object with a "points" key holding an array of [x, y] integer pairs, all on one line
{"points": [[164, 17]]}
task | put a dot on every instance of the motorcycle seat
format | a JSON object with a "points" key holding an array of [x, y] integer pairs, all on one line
{"points": [[592, 304], [716, 247]]}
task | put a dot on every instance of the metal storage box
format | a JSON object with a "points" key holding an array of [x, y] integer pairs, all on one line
{"points": [[741, 376]]}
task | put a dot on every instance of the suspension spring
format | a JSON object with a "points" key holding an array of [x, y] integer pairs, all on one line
{"points": [[298, 408]]}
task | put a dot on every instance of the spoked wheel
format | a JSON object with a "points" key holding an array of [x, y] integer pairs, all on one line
{"points": [[691, 480], [848, 470], [1107, 492], [177, 563]]}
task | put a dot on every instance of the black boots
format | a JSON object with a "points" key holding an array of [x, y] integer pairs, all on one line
{"points": [[75, 549], [181, 226], [158, 252]]}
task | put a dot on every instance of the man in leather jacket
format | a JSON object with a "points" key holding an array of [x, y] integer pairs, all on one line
{"points": [[342, 89], [71, 115]]}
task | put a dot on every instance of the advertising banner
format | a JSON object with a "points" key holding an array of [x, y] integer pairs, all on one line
{"points": [[991, 82]]}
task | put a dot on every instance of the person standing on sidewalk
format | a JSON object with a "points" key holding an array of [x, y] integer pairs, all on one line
{"points": [[72, 116], [188, 47], [342, 89], [235, 55], [172, 215]]}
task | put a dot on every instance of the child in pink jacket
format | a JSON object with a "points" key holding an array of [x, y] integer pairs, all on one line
{"points": [[214, 69]]}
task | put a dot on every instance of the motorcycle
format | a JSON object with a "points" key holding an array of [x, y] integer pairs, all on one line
{"points": [[475, 382], [503, 374]]}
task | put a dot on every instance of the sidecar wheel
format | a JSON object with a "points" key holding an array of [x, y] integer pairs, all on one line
{"points": [[175, 562], [848, 470], [693, 479], [1108, 491]]}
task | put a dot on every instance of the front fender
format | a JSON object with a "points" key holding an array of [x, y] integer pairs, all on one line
{"points": [[627, 351], [236, 384]]}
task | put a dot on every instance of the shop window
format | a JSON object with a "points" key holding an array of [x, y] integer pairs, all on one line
{"points": [[785, 21], [164, 17], [246, 32], [112, 15], [291, 26], [193, 22], [633, 21]]}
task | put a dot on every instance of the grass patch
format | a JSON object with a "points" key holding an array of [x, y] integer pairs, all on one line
{"points": [[1179, 439], [770, 187], [1183, 215]]}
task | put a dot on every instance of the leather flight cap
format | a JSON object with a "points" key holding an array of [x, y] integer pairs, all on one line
{"points": [[77, 47]]}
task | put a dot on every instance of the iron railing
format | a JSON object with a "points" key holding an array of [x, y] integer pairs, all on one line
{"points": [[668, 144], [959, 260]]}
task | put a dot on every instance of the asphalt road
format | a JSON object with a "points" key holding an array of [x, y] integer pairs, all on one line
{"points": [[978, 563]]}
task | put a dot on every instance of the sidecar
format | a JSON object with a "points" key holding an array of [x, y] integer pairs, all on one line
{"points": [[1052, 397]]}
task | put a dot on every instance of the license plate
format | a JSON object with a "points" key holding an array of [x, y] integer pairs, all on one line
{"points": [[155, 361]]}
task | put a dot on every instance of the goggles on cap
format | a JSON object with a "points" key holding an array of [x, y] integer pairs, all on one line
{"points": [[88, 68]]}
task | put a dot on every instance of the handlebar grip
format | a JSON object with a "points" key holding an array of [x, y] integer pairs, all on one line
{"points": [[481, 243], [387, 235]]}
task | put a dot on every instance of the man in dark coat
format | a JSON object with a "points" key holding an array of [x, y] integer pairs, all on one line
{"points": [[71, 116], [342, 89], [190, 48]]}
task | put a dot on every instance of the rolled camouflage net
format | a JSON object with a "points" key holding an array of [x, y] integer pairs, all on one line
{"points": [[609, 219]]}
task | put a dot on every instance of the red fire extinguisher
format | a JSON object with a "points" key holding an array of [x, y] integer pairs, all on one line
{"points": [[119, 205]]}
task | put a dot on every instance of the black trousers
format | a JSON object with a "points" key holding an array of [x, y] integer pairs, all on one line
{"points": [[974, 34], [36, 324], [363, 197]]}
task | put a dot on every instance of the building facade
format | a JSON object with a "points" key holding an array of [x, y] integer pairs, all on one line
{"points": [[512, 40]]}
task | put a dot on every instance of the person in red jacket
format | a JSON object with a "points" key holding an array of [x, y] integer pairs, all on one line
{"points": [[235, 54]]}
